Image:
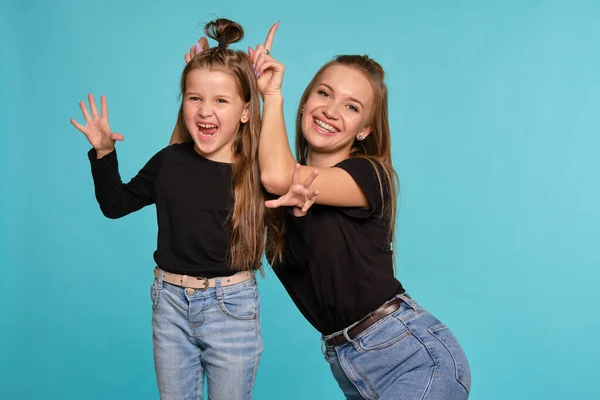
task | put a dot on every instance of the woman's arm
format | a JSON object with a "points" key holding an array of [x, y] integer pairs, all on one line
{"points": [[276, 161]]}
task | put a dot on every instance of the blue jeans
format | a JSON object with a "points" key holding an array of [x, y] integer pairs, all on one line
{"points": [[407, 355], [213, 333]]}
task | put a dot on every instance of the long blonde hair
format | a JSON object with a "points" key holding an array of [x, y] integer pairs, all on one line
{"points": [[246, 242], [376, 148]]}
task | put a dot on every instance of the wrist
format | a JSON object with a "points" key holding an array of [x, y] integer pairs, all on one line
{"points": [[102, 152], [273, 98]]}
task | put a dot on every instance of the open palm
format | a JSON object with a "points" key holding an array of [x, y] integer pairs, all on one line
{"points": [[299, 196], [97, 129]]}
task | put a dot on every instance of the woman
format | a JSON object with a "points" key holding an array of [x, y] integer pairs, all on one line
{"points": [[335, 259]]}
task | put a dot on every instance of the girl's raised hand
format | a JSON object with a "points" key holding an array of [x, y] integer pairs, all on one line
{"points": [[299, 196], [269, 72], [97, 129]]}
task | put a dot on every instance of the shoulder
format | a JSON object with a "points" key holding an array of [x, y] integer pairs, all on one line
{"points": [[368, 172], [178, 151], [185, 147], [160, 158], [368, 166], [373, 179]]}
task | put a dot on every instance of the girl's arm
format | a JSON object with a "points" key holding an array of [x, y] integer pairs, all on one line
{"points": [[115, 198]]}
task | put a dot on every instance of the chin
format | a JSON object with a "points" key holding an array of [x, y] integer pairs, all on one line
{"points": [[203, 147], [317, 140]]}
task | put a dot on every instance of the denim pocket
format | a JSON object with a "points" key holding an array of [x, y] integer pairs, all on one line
{"points": [[461, 365], [383, 334], [241, 305], [154, 295]]}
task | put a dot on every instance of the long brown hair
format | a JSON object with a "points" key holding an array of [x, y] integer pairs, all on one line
{"points": [[246, 242], [376, 147]]}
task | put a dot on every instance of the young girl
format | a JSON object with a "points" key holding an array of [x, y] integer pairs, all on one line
{"points": [[335, 260], [209, 203]]}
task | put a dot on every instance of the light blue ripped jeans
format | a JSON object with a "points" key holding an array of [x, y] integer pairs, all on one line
{"points": [[408, 355], [213, 333]]}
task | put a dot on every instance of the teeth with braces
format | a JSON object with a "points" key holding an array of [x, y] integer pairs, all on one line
{"points": [[325, 126]]}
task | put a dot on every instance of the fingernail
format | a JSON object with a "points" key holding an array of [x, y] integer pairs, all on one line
{"points": [[256, 73], [198, 48]]}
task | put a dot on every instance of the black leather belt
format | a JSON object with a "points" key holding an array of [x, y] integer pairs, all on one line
{"points": [[383, 311]]}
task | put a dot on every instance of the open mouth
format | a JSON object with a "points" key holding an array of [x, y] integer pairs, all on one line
{"points": [[324, 127], [207, 131]]}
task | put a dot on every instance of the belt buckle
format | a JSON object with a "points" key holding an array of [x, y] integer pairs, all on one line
{"points": [[203, 279]]}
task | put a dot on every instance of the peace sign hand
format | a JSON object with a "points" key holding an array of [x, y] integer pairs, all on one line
{"points": [[97, 129], [269, 72], [299, 196]]}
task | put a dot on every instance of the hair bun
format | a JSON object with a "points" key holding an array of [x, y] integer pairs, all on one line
{"points": [[224, 31]]}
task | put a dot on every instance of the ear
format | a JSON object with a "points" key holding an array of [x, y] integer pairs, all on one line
{"points": [[365, 131], [245, 114]]}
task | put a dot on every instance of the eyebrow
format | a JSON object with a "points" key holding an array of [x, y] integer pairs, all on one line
{"points": [[349, 98]]}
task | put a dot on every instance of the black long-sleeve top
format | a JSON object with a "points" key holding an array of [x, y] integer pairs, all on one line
{"points": [[193, 198]]}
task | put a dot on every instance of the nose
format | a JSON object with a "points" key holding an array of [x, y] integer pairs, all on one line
{"points": [[331, 110], [205, 109]]}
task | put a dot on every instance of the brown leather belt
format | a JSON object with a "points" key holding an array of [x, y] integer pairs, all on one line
{"points": [[383, 311], [201, 283]]}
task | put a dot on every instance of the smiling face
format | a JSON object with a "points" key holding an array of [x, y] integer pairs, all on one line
{"points": [[213, 111], [338, 108]]}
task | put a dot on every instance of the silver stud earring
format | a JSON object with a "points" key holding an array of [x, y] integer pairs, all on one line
{"points": [[360, 137]]}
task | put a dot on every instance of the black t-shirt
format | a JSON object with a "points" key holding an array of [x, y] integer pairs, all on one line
{"points": [[193, 197], [337, 262]]}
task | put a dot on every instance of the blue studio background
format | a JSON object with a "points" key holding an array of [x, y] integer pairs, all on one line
{"points": [[495, 117]]}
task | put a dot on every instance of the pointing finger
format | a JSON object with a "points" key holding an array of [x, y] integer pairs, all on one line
{"points": [[271, 36]]}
